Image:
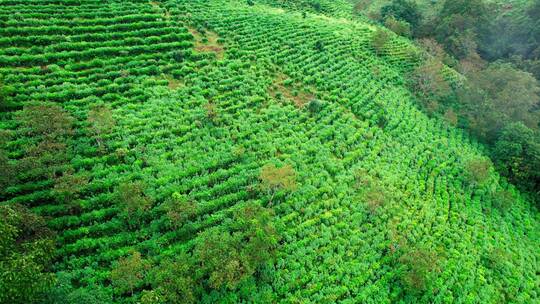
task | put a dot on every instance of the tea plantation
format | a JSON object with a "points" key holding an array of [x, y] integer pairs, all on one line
{"points": [[141, 130]]}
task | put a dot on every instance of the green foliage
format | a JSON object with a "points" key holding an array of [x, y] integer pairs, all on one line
{"points": [[152, 297], [503, 200], [231, 256], [63, 291], [403, 10], [459, 25], [497, 96], [380, 40], [478, 170], [360, 6], [174, 281], [5, 92], [129, 273], [430, 84], [46, 120], [319, 46], [101, 122], [211, 112], [130, 196], [399, 27], [316, 6], [277, 178], [7, 169], [315, 106], [375, 197], [496, 259], [49, 127], [180, 209], [219, 253], [420, 264], [331, 250], [517, 155], [90, 295], [26, 251], [67, 188]]}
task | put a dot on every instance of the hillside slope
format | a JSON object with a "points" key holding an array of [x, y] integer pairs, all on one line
{"points": [[160, 64]]}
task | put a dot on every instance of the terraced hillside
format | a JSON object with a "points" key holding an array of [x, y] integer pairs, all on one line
{"points": [[206, 93]]}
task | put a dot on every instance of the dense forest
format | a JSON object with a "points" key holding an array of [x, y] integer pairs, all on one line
{"points": [[496, 46], [269, 151]]}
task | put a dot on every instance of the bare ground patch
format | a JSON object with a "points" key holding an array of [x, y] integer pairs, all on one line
{"points": [[207, 42], [283, 87], [173, 83]]}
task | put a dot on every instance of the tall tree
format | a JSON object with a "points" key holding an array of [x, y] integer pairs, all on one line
{"points": [[7, 167], [459, 25], [48, 120], [379, 40], [129, 273], [430, 84], [175, 280], [478, 170], [49, 128], [101, 122], [180, 209], [277, 178], [420, 264], [133, 201], [26, 253], [229, 256], [497, 96], [517, 155], [404, 10]]}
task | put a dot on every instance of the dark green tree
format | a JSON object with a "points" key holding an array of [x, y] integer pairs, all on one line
{"points": [[404, 10], [517, 155], [497, 96], [460, 24]]}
